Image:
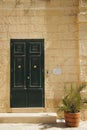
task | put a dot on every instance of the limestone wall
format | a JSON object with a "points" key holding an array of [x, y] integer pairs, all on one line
{"points": [[56, 22], [82, 19], [82, 22]]}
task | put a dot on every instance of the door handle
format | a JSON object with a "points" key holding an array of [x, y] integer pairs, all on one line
{"points": [[28, 77]]}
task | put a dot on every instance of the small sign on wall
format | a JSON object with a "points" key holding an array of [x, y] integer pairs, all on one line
{"points": [[57, 71]]}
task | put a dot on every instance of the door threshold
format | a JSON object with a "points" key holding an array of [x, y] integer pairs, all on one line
{"points": [[28, 110], [28, 117]]}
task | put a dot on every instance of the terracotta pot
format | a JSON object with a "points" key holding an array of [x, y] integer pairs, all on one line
{"points": [[72, 119]]}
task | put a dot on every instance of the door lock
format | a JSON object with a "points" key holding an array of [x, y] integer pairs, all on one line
{"points": [[25, 88]]}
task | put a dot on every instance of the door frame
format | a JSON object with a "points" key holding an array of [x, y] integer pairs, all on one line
{"points": [[25, 40]]}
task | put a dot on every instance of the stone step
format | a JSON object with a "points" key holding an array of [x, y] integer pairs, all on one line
{"points": [[28, 117]]}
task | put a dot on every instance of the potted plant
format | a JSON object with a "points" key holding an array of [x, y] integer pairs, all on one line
{"points": [[71, 104]]}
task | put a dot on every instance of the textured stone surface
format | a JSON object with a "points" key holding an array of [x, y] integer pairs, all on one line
{"points": [[57, 22], [27, 126]]}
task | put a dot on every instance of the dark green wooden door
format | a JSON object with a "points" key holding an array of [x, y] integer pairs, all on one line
{"points": [[27, 73]]}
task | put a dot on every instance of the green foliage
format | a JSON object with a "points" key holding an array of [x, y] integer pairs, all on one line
{"points": [[72, 101]]}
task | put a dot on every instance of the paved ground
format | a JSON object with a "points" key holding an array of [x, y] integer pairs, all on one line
{"points": [[27, 126]]}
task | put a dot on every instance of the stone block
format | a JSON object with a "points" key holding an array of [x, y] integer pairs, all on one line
{"points": [[71, 78], [70, 53], [69, 44], [82, 17], [3, 35], [70, 70], [28, 117], [82, 27]]}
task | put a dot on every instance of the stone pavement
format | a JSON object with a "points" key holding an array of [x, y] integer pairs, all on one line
{"points": [[29, 126]]}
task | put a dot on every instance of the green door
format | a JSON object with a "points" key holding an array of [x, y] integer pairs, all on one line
{"points": [[27, 73]]}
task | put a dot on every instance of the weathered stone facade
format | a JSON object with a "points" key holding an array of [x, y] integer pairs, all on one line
{"points": [[63, 26]]}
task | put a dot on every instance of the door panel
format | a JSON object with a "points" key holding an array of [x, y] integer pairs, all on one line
{"points": [[19, 48], [36, 97], [19, 98], [35, 71], [19, 71], [27, 73], [35, 47]]}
